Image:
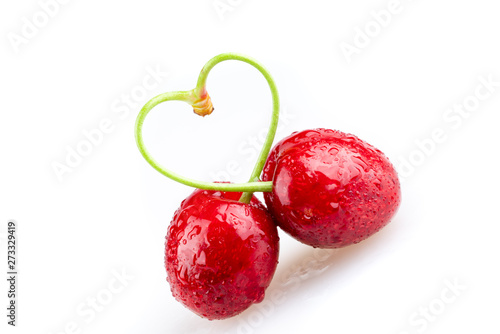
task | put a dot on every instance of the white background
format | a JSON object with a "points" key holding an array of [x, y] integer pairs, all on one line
{"points": [[111, 212]]}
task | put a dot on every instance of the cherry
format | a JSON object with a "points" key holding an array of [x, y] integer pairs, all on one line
{"points": [[330, 189], [220, 254], [221, 248]]}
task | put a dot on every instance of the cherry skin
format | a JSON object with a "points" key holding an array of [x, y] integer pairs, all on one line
{"points": [[330, 189], [220, 254]]}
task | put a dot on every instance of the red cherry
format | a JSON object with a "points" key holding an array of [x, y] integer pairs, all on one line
{"points": [[220, 254], [330, 189]]}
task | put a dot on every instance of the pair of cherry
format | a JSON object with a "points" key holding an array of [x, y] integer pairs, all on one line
{"points": [[325, 188]]}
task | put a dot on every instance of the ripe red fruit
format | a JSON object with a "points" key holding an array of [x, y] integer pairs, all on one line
{"points": [[220, 254], [330, 189]]}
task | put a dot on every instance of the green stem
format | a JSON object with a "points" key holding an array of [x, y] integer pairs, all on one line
{"points": [[198, 96]]}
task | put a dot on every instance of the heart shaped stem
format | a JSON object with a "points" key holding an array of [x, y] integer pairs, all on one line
{"points": [[199, 99]]}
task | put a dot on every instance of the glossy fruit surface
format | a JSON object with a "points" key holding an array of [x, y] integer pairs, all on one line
{"points": [[330, 189], [220, 254]]}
